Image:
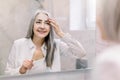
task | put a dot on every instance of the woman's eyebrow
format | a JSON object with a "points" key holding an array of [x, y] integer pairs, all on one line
{"points": [[42, 20], [39, 20]]}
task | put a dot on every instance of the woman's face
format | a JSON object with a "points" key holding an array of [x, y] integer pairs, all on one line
{"points": [[41, 26]]}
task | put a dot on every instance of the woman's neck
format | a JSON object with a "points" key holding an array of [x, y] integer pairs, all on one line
{"points": [[38, 41]]}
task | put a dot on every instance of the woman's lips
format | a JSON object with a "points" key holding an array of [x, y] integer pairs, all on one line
{"points": [[42, 32]]}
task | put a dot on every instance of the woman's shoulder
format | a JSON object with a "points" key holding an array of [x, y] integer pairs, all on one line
{"points": [[113, 50], [20, 41], [110, 54], [57, 41]]}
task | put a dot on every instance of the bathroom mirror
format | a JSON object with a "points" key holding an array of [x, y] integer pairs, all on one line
{"points": [[15, 17]]}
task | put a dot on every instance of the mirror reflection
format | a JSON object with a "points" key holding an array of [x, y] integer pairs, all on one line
{"points": [[42, 36]]}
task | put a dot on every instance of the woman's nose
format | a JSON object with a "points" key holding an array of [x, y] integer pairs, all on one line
{"points": [[42, 25]]}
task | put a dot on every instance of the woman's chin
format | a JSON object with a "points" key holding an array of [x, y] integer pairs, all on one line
{"points": [[42, 36]]}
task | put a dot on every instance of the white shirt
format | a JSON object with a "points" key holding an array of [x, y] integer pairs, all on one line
{"points": [[107, 65], [24, 48]]}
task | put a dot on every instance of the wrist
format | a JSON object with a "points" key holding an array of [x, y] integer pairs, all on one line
{"points": [[61, 34]]}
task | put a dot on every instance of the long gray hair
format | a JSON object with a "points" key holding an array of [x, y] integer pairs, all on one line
{"points": [[111, 19], [49, 39]]}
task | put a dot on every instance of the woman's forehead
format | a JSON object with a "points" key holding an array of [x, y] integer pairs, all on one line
{"points": [[42, 16]]}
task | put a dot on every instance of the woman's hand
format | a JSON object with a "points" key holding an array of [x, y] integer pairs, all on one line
{"points": [[27, 65], [56, 27]]}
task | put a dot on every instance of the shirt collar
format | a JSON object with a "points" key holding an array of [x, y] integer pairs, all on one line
{"points": [[32, 45]]}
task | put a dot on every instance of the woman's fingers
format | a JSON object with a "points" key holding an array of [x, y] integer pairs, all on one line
{"points": [[28, 64], [53, 22], [56, 27]]}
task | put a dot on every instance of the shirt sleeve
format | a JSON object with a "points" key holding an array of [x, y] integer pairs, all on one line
{"points": [[11, 67], [71, 47]]}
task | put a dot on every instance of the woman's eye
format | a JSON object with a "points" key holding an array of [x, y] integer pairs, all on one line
{"points": [[38, 22], [47, 23]]}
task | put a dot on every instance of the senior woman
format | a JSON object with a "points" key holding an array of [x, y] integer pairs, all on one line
{"points": [[39, 51], [107, 65]]}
